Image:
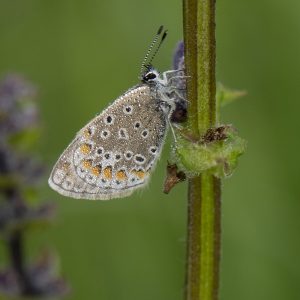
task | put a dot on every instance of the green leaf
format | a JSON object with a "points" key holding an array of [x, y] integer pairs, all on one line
{"points": [[225, 95], [218, 157]]}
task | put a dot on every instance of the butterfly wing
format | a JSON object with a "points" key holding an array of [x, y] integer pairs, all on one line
{"points": [[115, 152]]}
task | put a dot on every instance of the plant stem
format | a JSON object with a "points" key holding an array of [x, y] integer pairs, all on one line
{"points": [[16, 248], [204, 201]]}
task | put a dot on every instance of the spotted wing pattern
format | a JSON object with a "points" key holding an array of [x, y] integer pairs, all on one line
{"points": [[115, 152]]}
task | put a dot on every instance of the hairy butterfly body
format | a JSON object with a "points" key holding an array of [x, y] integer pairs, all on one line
{"points": [[115, 153]]}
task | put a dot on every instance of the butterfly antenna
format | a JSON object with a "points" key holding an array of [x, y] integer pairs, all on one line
{"points": [[158, 46], [158, 34]]}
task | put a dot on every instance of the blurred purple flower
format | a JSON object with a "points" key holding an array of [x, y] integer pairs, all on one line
{"points": [[43, 274], [8, 283], [180, 112], [178, 58], [42, 278], [18, 111], [19, 172], [12, 218]]}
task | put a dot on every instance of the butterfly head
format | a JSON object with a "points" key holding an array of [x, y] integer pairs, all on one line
{"points": [[150, 75]]}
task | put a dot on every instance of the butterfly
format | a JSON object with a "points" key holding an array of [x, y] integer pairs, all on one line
{"points": [[116, 152]]}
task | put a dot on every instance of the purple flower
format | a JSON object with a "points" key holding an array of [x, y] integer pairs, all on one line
{"points": [[39, 280], [180, 113], [178, 58], [19, 173], [18, 111]]}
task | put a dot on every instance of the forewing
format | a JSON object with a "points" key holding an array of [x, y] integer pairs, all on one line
{"points": [[114, 153]]}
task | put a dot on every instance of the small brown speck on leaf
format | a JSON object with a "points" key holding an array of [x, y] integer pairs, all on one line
{"points": [[216, 134]]}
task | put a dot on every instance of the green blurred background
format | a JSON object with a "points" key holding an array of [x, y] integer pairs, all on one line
{"points": [[81, 55]]}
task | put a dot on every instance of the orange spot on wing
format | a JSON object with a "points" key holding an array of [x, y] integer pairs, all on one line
{"points": [[107, 173], [87, 133], [96, 170], [87, 164], [85, 148], [140, 174], [121, 175]]}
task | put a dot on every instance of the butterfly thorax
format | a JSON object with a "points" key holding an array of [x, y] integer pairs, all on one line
{"points": [[161, 88]]}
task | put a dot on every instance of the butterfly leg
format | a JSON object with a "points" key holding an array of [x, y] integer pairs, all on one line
{"points": [[168, 75], [172, 129]]}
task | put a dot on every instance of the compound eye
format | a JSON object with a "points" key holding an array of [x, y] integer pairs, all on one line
{"points": [[150, 76]]}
